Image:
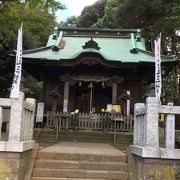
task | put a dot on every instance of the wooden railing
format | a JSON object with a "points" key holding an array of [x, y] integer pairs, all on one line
{"points": [[89, 121]]}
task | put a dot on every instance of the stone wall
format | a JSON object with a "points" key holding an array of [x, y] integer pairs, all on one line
{"points": [[13, 165], [153, 169]]}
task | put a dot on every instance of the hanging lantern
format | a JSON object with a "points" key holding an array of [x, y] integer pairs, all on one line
{"points": [[79, 84], [90, 85], [103, 85]]}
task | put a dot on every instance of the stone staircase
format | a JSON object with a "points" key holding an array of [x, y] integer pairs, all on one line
{"points": [[122, 138], [78, 161]]}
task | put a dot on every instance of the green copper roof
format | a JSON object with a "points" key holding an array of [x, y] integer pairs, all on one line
{"points": [[114, 46]]}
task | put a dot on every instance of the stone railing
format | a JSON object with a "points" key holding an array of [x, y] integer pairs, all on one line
{"points": [[20, 124], [146, 130], [89, 121]]}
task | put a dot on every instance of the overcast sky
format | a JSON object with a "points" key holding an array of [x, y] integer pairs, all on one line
{"points": [[74, 8]]}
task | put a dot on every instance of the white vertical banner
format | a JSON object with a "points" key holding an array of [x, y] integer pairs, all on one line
{"points": [[158, 79], [18, 66]]}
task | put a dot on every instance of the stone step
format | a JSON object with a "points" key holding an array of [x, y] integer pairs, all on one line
{"points": [[51, 178], [122, 143], [86, 134], [124, 140], [79, 173], [68, 136], [65, 132], [82, 157], [63, 164]]}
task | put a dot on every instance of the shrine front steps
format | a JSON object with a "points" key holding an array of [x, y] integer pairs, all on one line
{"points": [[64, 179], [73, 166], [49, 169], [122, 138]]}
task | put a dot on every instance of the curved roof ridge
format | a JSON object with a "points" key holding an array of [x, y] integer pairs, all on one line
{"points": [[99, 29], [90, 50], [37, 50], [152, 54]]}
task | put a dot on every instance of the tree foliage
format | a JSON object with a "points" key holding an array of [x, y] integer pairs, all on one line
{"points": [[34, 87], [108, 20], [70, 22], [38, 21], [170, 88], [35, 16], [91, 14], [153, 16]]}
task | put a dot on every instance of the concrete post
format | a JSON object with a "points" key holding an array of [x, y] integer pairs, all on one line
{"points": [[151, 124], [31, 123], [142, 121], [137, 121], [16, 117], [27, 124], [170, 131]]}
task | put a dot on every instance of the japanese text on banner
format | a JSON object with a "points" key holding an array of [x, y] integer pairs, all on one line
{"points": [[158, 79], [18, 66]]}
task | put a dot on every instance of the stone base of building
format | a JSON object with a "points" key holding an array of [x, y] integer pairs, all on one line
{"points": [[13, 165], [141, 168]]}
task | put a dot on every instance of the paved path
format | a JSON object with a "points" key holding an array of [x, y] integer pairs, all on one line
{"points": [[83, 148]]}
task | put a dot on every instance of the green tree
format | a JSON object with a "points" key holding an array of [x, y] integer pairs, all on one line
{"points": [[108, 20], [91, 14], [34, 88], [35, 15], [153, 16], [70, 22], [170, 88]]}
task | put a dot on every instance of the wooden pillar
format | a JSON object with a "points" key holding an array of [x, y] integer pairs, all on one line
{"points": [[128, 105], [114, 93], [54, 108], [66, 96], [90, 86]]}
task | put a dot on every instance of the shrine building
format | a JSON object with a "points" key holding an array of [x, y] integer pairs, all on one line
{"points": [[87, 69]]}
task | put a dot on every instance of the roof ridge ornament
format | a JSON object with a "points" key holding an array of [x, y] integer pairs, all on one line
{"points": [[138, 36], [91, 44], [56, 46], [134, 51], [55, 33]]}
